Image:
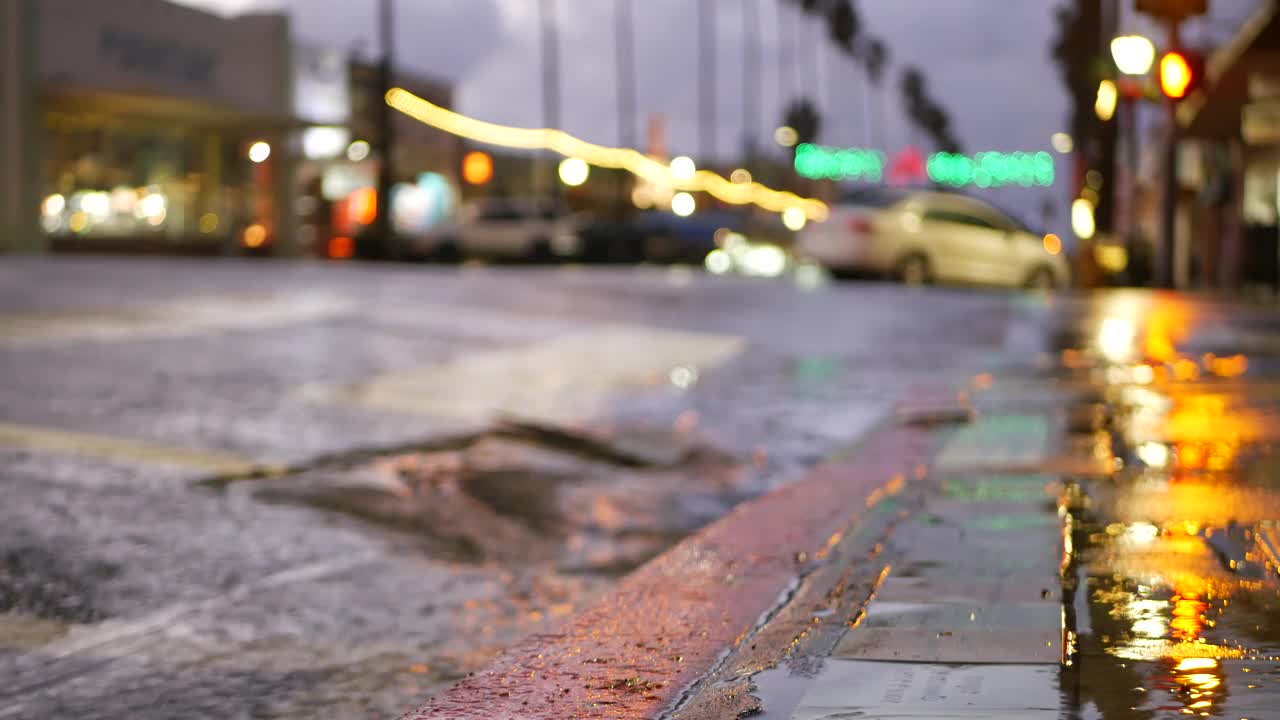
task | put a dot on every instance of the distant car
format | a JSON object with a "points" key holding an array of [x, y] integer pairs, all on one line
{"points": [[923, 236], [667, 237], [502, 229]]}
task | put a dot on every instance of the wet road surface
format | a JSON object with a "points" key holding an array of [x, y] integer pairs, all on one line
{"points": [[261, 490], [286, 490]]}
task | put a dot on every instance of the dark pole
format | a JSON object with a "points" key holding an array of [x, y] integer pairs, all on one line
{"points": [[875, 95], [707, 79], [1130, 224], [797, 41], [626, 90], [1169, 199], [1108, 132], [752, 88], [550, 86], [784, 55], [386, 133]]}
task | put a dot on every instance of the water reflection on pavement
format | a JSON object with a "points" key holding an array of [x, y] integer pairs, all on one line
{"points": [[1173, 594]]}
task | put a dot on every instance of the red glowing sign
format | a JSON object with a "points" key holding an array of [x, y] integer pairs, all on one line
{"points": [[907, 167]]}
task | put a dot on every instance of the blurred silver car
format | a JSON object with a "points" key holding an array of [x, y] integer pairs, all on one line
{"points": [[921, 236]]}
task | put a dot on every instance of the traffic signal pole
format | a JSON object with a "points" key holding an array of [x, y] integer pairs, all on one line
{"points": [[1166, 255]]}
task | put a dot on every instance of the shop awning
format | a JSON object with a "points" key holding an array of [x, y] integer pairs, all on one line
{"points": [[1215, 110], [130, 108]]}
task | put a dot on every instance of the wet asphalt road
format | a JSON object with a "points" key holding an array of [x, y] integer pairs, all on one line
{"points": [[242, 490], [237, 489]]}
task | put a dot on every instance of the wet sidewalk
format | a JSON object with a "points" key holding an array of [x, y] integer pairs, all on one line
{"points": [[1090, 535], [966, 618]]}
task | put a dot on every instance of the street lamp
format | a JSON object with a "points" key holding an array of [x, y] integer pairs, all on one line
{"points": [[1134, 54]]}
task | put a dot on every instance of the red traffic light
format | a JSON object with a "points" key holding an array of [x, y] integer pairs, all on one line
{"points": [[1176, 75]]}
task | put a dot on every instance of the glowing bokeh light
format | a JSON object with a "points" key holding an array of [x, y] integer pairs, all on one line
{"points": [[358, 150], [53, 205], [683, 204], [259, 151], [1175, 75], [1082, 222], [1133, 54], [574, 171], [208, 223], [477, 167], [683, 168], [794, 219], [718, 262], [1105, 103], [255, 236]]}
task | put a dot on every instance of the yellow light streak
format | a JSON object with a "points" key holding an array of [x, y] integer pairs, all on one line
{"points": [[627, 159]]}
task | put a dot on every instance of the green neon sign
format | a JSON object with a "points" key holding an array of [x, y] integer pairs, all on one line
{"points": [[992, 169], [984, 170], [817, 162]]}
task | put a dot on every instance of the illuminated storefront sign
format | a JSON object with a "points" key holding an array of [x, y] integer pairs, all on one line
{"points": [[156, 55], [992, 169], [815, 162], [984, 170]]}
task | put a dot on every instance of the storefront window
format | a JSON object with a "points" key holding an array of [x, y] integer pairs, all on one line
{"points": [[113, 180]]}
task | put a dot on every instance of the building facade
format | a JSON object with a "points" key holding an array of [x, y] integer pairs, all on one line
{"points": [[19, 153], [128, 126]]}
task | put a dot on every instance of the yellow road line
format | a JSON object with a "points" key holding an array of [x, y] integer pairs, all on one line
{"points": [[117, 448], [177, 318]]}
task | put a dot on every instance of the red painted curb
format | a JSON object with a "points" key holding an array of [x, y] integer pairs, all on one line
{"points": [[666, 625]]}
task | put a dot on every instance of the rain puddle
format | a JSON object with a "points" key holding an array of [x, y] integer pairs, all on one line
{"points": [[1173, 596]]}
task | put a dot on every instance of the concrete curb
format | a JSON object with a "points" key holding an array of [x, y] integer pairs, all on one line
{"points": [[640, 648]]}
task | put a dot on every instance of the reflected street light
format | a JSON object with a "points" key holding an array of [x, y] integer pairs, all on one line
{"points": [[1134, 54]]}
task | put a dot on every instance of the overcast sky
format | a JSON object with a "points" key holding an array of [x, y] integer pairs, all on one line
{"points": [[987, 61]]}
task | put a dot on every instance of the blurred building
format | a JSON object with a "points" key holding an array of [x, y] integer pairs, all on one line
{"points": [[19, 198], [425, 165], [1228, 223], [135, 121], [142, 125]]}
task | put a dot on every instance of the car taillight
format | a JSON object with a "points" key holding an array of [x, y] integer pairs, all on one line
{"points": [[860, 225]]}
